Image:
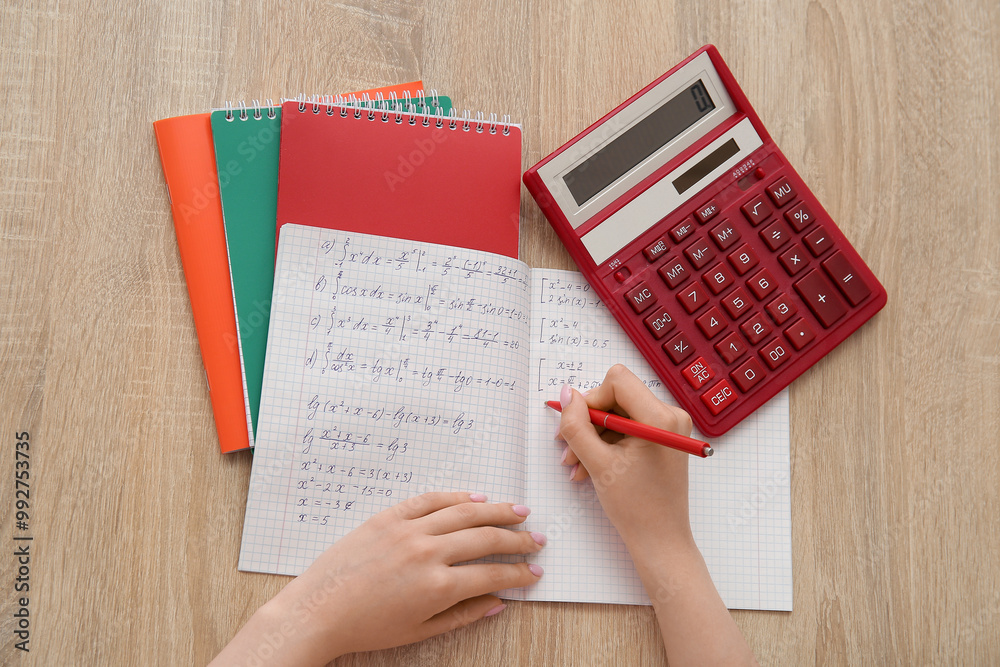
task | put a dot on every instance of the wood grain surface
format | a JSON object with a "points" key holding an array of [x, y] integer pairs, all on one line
{"points": [[889, 110]]}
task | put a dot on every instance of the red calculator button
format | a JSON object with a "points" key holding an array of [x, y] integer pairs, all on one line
{"points": [[743, 259], [800, 333], [718, 278], [821, 297], [794, 259], [711, 323], [846, 278], [799, 217], [682, 230], [776, 234], [622, 274], [719, 397], [759, 173], [678, 348], [761, 284], [700, 253], [660, 323], [781, 309], [756, 210], [774, 353], [673, 272], [692, 297], [725, 234], [818, 242], [731, 348], [640, 297], [748, 374], [781, 192], [654, 250], [707, 212], [756, 328], [697, 372], [736, 303]]}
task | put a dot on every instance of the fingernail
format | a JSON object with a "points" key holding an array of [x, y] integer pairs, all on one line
{"points": [[477, 497], [565, 453], [521, 510], [586, 393], [539, 539], [572, 472], [496, 610], [565, 396], [535, 569], [557, 436]]}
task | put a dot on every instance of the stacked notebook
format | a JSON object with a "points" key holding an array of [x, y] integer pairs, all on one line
{"points": [[367, 326]]}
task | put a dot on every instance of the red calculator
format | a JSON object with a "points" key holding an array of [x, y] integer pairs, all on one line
{"points": [[705, 243]]}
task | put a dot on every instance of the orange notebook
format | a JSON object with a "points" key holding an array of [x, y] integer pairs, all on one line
{"points": [[187, 154]]}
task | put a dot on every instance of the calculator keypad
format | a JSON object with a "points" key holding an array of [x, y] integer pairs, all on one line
{"points": [[757, 279]]}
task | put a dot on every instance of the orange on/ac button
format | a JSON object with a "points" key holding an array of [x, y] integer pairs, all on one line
{"points": [[719, 397]]}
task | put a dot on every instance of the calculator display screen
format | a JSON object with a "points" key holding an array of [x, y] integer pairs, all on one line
{"points": [[639, 142]]}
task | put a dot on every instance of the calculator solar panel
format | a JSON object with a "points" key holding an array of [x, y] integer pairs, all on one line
{"points": [[704, 242]]}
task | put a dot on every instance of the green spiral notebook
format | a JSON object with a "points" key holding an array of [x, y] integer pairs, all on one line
{"points": [[247, 141]]}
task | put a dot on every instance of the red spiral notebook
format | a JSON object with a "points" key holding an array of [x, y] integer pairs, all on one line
{"points": [[447, 180]]}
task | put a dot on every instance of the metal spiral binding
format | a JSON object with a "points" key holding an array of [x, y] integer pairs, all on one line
{"points": [[244, 112], [394, 107]]}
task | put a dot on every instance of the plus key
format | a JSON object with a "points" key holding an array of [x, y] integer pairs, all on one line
{"points": [[821, 297]]}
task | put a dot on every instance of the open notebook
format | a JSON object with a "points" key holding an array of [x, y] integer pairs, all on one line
{"points": [[396, 367]]}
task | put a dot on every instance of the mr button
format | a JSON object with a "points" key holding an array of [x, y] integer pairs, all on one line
{"points": [[719, 397]]}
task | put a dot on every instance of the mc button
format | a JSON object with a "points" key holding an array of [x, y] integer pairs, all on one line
{"points": [[640, 297]]}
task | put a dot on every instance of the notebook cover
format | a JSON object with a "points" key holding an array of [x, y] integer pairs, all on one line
{"points": [[450, 186], [188, 160], [246, 152]]}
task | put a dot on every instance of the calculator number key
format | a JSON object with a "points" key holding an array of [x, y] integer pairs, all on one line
{"points": [[761, 284], [737, 303], [748, 374], [673, 272], [692, 297], [821, 297], [711, 323], [743, 259], [718, 278], [756, 329], [757, 210], [719, 397], [640, 297], [697, 373], [660, 323], [731, 348], [781, 309], [774, 353]]}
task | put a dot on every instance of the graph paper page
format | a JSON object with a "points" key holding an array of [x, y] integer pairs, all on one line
{"points": [[393, 367], [739, 498]]}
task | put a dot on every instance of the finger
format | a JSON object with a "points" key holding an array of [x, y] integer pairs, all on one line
{"points": [[569, 457], [473, 543], [626, 394], [470, 515], [578, 473], [462, 614], [581, 436], [479, 578], [428, 503]]}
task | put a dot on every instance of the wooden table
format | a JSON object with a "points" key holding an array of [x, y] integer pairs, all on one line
{"points": [[889, 111]]}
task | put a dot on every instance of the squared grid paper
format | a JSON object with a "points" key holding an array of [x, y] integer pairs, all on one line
{"points": [[393, 367], [740, 500]]}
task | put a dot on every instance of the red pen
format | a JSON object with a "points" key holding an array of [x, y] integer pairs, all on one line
{"points": [[620, 424]]}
